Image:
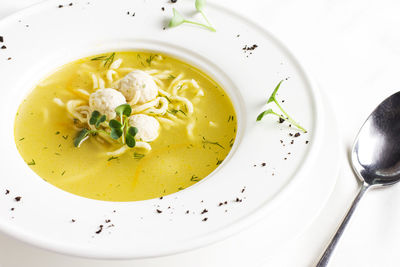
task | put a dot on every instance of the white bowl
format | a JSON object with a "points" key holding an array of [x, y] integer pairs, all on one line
{"points": [[44, 36]]}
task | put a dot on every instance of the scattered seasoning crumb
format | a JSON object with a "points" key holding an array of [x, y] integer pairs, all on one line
{"points": [[60, 6], [3, 47], [108, 220], [1, 39], [9, 58], [296, 134], [169, 207], [202, 201], [283, 101], [187, 212], [100, 229], [306, 142], [226, 202], [159, 211], [73, 220], [163, 8], [161, 198], [244, 188], [290, 134], [7, 192], [281, 141], [205, 219], [281, 120], [263, 164], [238, 35], [111, 225], [291, 142], [12, 209], [285, 158], [114, 211], [204, 211], [250, 48], [17, 198], [174, 1], [238, 200], [163, 28], [70, 4], [220, 204], [254, 165], [273, 174]]}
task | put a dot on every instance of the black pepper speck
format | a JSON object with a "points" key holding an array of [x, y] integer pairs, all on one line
{"points": [[17, 199]]}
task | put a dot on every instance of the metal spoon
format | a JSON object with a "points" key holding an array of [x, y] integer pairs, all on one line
{"points": [[375, 158]]}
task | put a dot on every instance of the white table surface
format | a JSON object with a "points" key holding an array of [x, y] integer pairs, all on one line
{"points": [[352, 49]]}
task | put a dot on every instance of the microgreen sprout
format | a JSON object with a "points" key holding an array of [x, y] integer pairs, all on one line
{"points": [[178, 19], [119, 128], [271, 99], [96, 119]]}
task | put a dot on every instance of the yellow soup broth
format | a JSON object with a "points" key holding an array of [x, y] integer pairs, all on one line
{"points": [[189, 146]]}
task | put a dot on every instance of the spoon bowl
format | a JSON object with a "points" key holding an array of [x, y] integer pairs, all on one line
{"points": [[375, 158], [376, 151]]}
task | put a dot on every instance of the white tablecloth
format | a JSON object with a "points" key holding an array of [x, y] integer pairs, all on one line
{"points": [[352, 48]]}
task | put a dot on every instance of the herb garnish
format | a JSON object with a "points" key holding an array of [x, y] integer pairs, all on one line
{"points": [[194, 178], [32, 162], [119, 129], [150, 59], [178, 19], [107, 60], [272, 98], [138, 156], [111, 158], [205, 141], [171, 77]]}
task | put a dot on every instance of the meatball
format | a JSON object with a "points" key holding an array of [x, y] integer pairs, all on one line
{"points": [[138, 81], [105, 101], [148, 127]]}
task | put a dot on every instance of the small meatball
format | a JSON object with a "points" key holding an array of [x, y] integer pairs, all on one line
{"points": [[105, 101], [147, 126], [138, 81]]}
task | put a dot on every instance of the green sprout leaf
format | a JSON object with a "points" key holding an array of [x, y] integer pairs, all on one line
{"points": [[81, 137], [199, 4], [130, 136], [96, 118], [116, 133], [266, 112], [100, 120], [114, 124], [177, 19], [124, 109], [272, 98], [130, 141], [133, 131]]}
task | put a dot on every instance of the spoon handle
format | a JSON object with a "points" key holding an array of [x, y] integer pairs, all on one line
{"points": [[323, 261]]}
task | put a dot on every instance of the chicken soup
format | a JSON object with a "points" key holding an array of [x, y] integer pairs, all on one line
{"points": [[125, 126]]}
